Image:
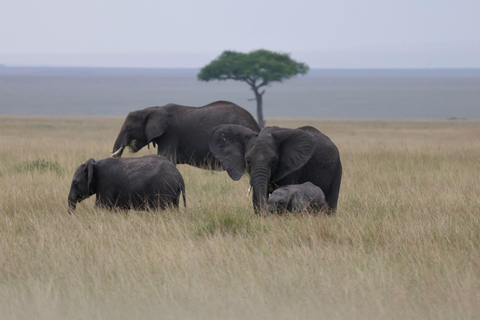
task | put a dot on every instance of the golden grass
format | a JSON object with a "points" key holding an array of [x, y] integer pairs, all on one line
{"points": [[404, 244]]}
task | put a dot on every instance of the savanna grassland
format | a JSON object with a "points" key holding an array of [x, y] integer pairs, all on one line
{"points": [[404, 243]]}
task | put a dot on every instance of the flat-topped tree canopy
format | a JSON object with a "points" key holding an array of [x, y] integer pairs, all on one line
{"points": [[258, 69]]}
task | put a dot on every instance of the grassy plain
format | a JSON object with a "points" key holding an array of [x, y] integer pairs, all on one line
{"points": [[404, 244]]}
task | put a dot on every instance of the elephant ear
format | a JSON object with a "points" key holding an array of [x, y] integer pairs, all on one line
{"points": [[89, 173], [296, 147], [156, 123], [227, 143]]}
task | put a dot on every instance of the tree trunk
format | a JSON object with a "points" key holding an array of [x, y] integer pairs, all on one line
{"points": [[258, 97]]}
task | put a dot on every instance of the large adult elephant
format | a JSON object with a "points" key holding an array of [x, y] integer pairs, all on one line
{"points": [[181, 133], [276, 157]]}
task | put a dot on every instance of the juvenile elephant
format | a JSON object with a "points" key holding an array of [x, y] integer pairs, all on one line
{"points": [[149, 182], [297, 197], [181, 133], [276, 157]]}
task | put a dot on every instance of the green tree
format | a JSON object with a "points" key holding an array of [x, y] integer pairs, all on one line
{"points": [[258, 69]]}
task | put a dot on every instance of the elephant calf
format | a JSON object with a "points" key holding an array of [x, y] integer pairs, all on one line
{"points": [[149, 182], [297, 197]]}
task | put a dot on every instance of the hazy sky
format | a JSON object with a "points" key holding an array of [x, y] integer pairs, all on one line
{"points": [[187, 33]]}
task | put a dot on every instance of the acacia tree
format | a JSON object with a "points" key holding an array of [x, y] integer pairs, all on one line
{"points": [[258, 69]]}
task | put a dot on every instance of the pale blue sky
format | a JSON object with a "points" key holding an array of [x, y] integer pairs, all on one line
{"points": [[186, 33]]}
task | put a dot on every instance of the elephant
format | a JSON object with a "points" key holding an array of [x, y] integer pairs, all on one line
{"points": [[277, 157], [148, 182], [181, 133], [296, 198]]}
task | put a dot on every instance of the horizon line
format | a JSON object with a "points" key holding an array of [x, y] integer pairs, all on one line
{"points": [[195, 68]]}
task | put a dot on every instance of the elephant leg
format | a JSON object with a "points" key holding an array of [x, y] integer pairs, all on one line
{"points": [[168, 152], [176, 200], [332, 197]]}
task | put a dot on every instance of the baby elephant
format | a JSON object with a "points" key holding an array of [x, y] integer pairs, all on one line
{"points": [[149, 182], [296, 197]]}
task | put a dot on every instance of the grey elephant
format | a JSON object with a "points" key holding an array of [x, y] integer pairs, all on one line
{"points": [[180, 133], [149, 182], [296, 198], [277, 157]]}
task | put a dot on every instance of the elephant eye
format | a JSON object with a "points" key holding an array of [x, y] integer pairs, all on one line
{"points": [[274, 161], [247, 165]]}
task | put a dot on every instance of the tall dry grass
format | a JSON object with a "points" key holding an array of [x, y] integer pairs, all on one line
{"points": [[404, 243]]}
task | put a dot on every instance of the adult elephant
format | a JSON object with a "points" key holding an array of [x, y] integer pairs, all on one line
{"points": [[276, 157], [181, 133]]}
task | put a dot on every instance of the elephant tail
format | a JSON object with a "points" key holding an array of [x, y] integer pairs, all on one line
{"points": [[184, 197]]}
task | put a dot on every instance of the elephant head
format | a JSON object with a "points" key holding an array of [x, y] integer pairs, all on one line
{"points": [[268, 156], [280, 201], [140, 128], [82, 185]]}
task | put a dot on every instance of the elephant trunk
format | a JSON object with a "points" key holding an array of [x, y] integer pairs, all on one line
{"points": [[272, 207], [259, 182], [72, 205], [118, 146]]}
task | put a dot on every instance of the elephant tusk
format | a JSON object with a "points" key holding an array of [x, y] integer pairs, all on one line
{"points": [[249, 190], [117, 153]]}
